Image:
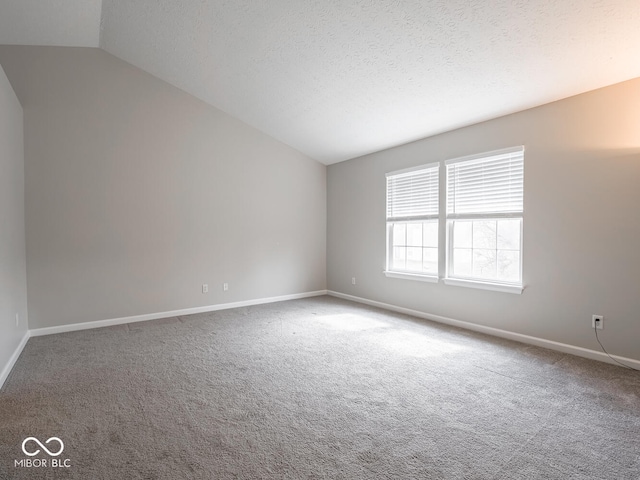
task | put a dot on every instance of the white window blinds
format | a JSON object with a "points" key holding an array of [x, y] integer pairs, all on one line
{"points": [[486, 185], [413, 194]]}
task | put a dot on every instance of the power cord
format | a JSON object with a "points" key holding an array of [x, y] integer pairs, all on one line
{"points": [[603, 349]]}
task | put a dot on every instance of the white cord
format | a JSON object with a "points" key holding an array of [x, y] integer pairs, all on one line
{"points": [[602, 346]]}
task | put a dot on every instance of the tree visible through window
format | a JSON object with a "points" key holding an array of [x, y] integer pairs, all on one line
{"points": [[487, 249]]}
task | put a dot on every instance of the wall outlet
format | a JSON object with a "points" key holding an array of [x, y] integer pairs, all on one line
{"points": [[597, 321], [17, 319], [205, 288], [353, 280], [225, 287]]}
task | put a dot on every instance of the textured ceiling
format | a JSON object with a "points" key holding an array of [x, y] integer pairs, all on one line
{"points": [[67, 23], [337, 79]]}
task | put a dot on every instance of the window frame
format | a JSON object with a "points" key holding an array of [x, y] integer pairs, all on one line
{"points": [[475, 282], [412, 275]]}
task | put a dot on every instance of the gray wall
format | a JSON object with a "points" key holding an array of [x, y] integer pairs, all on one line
{"points": [[137, 194], [581, 222], [13, 278]]}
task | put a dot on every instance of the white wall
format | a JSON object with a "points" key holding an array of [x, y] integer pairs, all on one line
{"points": [[13, 279], [137, 193], [581, 222]]}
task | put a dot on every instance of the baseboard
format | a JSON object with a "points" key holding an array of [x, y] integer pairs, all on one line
{"points": [[14, 358], [496, 332], [174, 313]]}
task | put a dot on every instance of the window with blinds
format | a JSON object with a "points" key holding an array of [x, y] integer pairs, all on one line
{"points": [[484, 217], [412, 221], [492, 184]]}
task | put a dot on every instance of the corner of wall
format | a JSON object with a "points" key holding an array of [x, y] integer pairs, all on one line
{"points": [[14, 331]]}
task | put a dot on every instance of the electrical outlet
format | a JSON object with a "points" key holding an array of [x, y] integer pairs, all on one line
{"points": [[17, 319], [225, 287], [353, 280], [597, 321], [205, 288]]}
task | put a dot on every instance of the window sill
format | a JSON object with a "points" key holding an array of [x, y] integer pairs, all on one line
{"points": [[412, 276], [497, 287]]}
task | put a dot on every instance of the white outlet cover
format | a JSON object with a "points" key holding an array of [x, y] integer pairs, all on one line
{"points": [[599, 319]]}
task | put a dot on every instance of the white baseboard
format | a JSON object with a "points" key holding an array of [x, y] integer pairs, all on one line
{"points": [[496, 332], [174, 313], [14, 358]]}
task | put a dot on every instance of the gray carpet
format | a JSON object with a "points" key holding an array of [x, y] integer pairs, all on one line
{"points": [[315, 388]]}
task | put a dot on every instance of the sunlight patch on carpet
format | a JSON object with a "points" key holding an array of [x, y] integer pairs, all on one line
{"points": [[350, 322], [415, 345]]}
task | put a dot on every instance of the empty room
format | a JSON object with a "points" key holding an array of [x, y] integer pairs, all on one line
{"points": [[319, 240]]}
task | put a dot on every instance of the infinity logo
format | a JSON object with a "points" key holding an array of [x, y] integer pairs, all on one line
{"points": [[52, 454]]}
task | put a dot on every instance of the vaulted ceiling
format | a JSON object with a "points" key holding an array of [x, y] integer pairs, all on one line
{"points": [[337, 79]]}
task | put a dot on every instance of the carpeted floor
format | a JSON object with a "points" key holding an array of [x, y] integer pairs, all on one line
{"points": [[314, 388]]}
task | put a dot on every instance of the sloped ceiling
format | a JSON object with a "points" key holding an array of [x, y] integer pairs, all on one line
{"points": [[338, 79]]}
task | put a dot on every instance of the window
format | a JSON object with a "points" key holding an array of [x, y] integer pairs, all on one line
{"points": [[412, 222], [483, 218]]}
